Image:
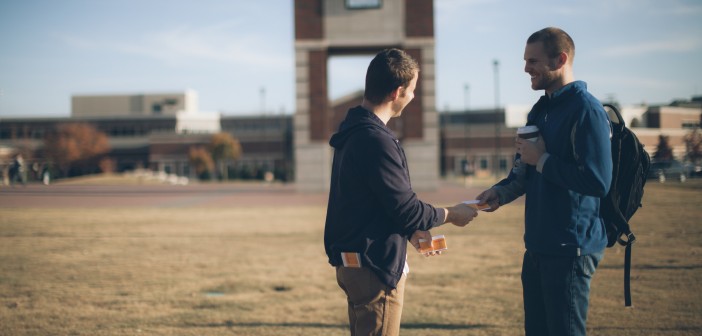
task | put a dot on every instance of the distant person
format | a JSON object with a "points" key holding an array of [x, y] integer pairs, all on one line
{"points": [[46, 174], [372, 210], [568, 169], [18, 171]]}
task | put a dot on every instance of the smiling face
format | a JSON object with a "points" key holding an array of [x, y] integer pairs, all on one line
{"points": [[544, 71]]}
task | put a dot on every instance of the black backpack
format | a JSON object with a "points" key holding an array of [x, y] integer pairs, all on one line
{"points": [[630, 166]]}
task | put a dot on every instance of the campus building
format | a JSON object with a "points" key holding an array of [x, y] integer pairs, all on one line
{"points": [[478, 142], [155, 132]]}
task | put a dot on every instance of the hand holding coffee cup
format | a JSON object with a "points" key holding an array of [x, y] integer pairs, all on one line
{"points": [[528, 146], [529, 132]]}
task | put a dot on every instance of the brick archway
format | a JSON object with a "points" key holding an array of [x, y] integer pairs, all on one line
{"points": [[326, 28]]}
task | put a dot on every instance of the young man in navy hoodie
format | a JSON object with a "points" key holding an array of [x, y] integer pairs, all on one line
{"points": [[569, 169], [372, 211]]}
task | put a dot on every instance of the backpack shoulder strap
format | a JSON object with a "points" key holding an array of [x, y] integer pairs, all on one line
{"points": [[617, 126]]}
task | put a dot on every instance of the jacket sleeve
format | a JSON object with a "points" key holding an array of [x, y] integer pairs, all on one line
{"points": [[510, 188], [589, 139], [384, 168]]}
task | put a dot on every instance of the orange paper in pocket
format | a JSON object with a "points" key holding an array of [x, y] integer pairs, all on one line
{"points": [[351, 259]]}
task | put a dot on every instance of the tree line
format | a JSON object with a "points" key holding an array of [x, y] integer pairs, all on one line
{"points": [[75, 149]]}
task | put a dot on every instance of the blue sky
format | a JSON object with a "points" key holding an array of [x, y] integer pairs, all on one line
{"points": [[633, 50]]}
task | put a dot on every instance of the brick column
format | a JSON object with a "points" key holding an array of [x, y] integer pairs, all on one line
{"points": [[419, 18], [412, 116], [308, 19], [319, 113]]}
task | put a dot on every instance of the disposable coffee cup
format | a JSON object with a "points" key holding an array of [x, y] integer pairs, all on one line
{"points": [[530, 133], [437, 243]]}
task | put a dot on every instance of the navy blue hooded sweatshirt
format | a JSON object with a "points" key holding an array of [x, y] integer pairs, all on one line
{"points": [[372, 209]]}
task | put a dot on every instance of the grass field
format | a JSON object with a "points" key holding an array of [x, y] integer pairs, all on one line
{"points": [[262, 271]]}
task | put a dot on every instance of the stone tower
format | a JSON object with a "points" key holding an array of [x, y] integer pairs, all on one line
{"points": [[325, 28]]}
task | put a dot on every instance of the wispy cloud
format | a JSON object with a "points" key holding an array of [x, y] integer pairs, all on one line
{"points": [[685, 9], [183, 45], [682, 44], [458, 12], [630, 81]]}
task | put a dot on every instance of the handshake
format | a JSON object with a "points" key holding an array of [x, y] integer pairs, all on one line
{"points": [[460, 215]]}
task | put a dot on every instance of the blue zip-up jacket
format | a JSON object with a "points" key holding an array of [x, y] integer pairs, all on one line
{"points": [[563, 200], [372, 209]]}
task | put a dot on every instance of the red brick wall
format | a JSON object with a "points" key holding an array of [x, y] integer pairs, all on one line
{"points": [[419, 18], [308, 19], [320, 123], [412, 116]]}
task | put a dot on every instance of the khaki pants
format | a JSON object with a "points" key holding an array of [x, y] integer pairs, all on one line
{"points": [[374, 308]]}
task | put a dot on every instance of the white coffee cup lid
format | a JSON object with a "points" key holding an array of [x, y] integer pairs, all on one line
{"points": [[527, 129]]}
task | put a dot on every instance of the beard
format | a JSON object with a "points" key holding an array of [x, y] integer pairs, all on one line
{"points": [[543, 81], [546, 79]]}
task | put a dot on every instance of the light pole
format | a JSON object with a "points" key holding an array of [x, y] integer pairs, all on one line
{"points": [[466, 96], [496, 166], [264, 147], [465, 162]]}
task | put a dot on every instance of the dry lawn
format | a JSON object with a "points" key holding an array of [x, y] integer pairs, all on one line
{"points": [[262, 271]]}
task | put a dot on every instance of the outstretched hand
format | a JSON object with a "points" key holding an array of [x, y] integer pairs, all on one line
{"points": [[490, 198], [460, 214]]}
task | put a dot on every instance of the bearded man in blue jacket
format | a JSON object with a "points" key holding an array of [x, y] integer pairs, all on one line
{"points": [[569, 168], [372, 211]]}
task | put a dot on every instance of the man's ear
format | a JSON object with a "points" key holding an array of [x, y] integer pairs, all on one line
{"points": [[561, 60], [395, 93]]}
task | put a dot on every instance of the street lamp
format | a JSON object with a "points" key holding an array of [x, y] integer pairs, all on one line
{"points": [[466, 96], [465, 163], [264, 123], [496, 66]]}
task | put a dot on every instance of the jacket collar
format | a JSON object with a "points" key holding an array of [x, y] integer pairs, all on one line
{"points": [[572, 86]]}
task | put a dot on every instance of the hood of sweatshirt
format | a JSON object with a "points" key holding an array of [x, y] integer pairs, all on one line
{"points": [[358, 118]]}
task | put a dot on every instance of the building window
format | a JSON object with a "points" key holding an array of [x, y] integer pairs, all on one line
{"points": [[690, 124], [503, 164], [363, 4], [38, 133], [483, 163]]}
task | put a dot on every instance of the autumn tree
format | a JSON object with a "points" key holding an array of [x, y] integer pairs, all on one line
{"points": [[664, 152], [76, 147], [224, 146], [693, 145], [201, 160]]}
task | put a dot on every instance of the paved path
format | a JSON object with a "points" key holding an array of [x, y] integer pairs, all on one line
{"points": [[196, 195]]}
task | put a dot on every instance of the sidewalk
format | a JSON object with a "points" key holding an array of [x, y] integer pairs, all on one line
{"points": [[215, 195]]}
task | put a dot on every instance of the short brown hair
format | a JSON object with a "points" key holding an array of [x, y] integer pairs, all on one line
{"points": [[389, 69], [555, 41]]}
